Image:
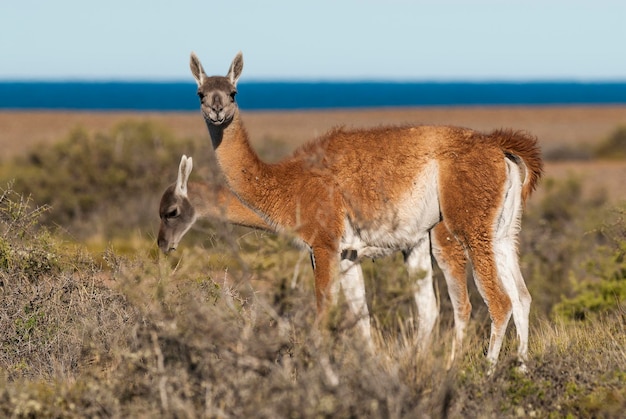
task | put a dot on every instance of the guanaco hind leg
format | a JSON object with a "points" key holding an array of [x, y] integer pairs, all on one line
{"points": [[486, 221], [451, 259], [507, 259]]}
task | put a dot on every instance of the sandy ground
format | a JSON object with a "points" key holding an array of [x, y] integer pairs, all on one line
{"points": [[556, 127]]}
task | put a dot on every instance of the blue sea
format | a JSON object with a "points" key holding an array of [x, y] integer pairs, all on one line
{"points": [[181, 96]]}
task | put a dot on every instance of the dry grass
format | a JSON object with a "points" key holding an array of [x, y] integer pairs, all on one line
{"points": [[166, 341]]}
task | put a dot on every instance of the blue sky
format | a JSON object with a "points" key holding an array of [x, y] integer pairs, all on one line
{"points": [[313, 40]]}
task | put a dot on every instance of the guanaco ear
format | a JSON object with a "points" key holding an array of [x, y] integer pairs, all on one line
{"points": [[184, 170], [196, 69], [236, 67]]}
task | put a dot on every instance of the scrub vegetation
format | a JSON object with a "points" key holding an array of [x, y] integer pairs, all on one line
{"points": [[96, 323]]}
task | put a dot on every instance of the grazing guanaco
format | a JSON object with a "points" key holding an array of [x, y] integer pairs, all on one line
{"points": [[184, 202]]}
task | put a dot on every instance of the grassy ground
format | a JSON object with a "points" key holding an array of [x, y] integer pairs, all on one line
{"points": [[97, 323]]}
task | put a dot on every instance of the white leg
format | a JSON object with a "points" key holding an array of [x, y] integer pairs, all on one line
{"points": [[507, 259], [419, 266], [525, 300], [353, 286], [513, 282]]}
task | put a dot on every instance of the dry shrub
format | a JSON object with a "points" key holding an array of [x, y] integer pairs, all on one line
{"points": [[580, 368], [55, 307], [203, 349], [213, 348]]}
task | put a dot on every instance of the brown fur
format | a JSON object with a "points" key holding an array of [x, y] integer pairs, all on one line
{"points": [[182, 204], [365, 176], [217, 202]]}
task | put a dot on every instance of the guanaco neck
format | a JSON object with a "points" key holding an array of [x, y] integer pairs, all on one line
{"points": [[218, 202], [258, 184]]}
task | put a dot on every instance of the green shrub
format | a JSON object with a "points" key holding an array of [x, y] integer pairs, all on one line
{"points": [[105, 182], [555, 238], [603, 289], [578, 152], [572, 257], [614, 147]]}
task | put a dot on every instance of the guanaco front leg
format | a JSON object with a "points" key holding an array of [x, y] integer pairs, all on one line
{"points": [[419, 267], [353, 286]]}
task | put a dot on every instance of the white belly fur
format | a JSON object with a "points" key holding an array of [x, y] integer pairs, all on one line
{"points": [[402, 225]]}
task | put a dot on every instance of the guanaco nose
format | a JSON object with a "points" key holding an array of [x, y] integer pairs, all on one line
{"points": [[164, 246], [217, 104]]}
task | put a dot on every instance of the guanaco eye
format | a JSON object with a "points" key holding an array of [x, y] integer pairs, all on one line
{"points": [[172, 214], [200, 95], [232, 95]]}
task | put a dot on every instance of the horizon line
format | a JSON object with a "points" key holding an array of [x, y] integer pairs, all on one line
{"points": [[469, 80]]}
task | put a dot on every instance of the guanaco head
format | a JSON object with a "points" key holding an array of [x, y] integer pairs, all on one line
{"points": [[217, 93], [176, 212]]}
